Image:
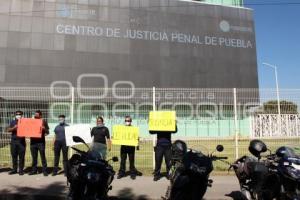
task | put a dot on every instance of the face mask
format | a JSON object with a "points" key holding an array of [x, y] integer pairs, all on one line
{"points": [[127, 123], [18, 116], [61, 121]]}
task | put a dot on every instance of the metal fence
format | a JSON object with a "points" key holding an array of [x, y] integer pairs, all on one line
{"points": [[205, 117]]}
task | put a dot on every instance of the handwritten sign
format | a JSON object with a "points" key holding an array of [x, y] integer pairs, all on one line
{"points": [[162, 121], [28, 127], [125, 135], [81, 130]]}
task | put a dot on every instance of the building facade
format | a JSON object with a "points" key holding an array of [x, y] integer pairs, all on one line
{"points": [[141, 43]]}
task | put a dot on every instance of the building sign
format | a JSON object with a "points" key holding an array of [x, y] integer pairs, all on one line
{"points": [[137, 34]]}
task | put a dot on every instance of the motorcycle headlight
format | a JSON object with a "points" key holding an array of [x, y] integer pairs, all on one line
{"points": [[197, 169], [93, 177]]}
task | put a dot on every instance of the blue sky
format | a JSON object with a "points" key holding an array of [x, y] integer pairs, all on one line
{"points": [[278, 42]]}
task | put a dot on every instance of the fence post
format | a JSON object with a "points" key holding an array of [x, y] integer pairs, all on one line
{"points": [[72, 114], [153, 137], [72, 106], [251, 127], [297, 129], [236, 125]]}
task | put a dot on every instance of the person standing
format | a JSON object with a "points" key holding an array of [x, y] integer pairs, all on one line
{"points": [[38, 145], [17, 146], [101, 138], [130, 151], [60, 145], [162, 149]]}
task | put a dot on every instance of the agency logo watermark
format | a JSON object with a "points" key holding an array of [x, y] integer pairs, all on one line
{"points": [[225, 26], [119, 97], [74, 11]]}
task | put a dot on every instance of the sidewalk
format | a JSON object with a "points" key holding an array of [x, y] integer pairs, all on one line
{"points": [[125, 188]]}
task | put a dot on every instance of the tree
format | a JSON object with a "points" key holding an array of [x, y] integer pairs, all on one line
{"points": [[286, 107]]}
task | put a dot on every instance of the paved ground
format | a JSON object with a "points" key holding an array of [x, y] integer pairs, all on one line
{"points": [[40, 187]]}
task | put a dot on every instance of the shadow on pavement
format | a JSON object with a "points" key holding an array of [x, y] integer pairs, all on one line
{"points": [[24, 192], [7, 169], [127, 194], [40, 169], [58, 191]]}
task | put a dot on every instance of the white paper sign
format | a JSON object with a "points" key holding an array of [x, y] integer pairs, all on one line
{"points": [[81, 130]]}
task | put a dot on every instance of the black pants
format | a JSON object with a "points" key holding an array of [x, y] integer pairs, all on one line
{"points": [[60, 146], [17, 149], [35, 148], [130, 151], [160, 152]]}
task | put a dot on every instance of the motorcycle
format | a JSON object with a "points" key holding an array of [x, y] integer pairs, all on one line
{"points": [[275, 177], [89, 174], [287, 164], [189, 174]]}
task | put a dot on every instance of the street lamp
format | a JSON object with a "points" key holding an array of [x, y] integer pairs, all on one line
{"points": [[277, 87], [277, 91]]}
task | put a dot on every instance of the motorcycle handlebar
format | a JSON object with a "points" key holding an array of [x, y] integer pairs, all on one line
{"points": [[79, 151], [219, 158]]}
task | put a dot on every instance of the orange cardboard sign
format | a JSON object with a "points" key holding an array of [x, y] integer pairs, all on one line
{"points": [[28, 127]]}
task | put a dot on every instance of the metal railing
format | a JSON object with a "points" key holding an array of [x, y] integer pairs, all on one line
{"points": [[205, 117]]}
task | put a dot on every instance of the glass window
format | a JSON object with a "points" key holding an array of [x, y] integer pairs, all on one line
{"points": [[36, 41], [26, 23], [4, 22], [2, 73], [37, 25], [14, 23], [3, 39], [4, 6], [25, 40]]}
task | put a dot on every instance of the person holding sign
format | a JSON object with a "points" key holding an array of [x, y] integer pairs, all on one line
{"points": [[130, 151], [38, 145], [60, 145], [162, 123], [17, 146], [101, 138]]}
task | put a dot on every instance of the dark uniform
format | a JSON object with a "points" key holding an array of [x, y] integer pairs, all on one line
{"points": [[17, 147], [60, 145], [100, 133], [162, 149], [130, 151], [38, 145]]}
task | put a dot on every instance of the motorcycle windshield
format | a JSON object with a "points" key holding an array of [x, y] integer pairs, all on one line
{"points": [[292, 151], [198, 148], [294, 154], [98, 151]]}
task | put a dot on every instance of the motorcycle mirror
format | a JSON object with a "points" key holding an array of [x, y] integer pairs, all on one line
{"points": [[220, 148], [257, 147], [281, 152], [115, 159], [78, 139]]}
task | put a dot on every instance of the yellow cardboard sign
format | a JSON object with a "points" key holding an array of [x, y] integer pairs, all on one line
{"points": [[125, 135], [162, 121]]}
